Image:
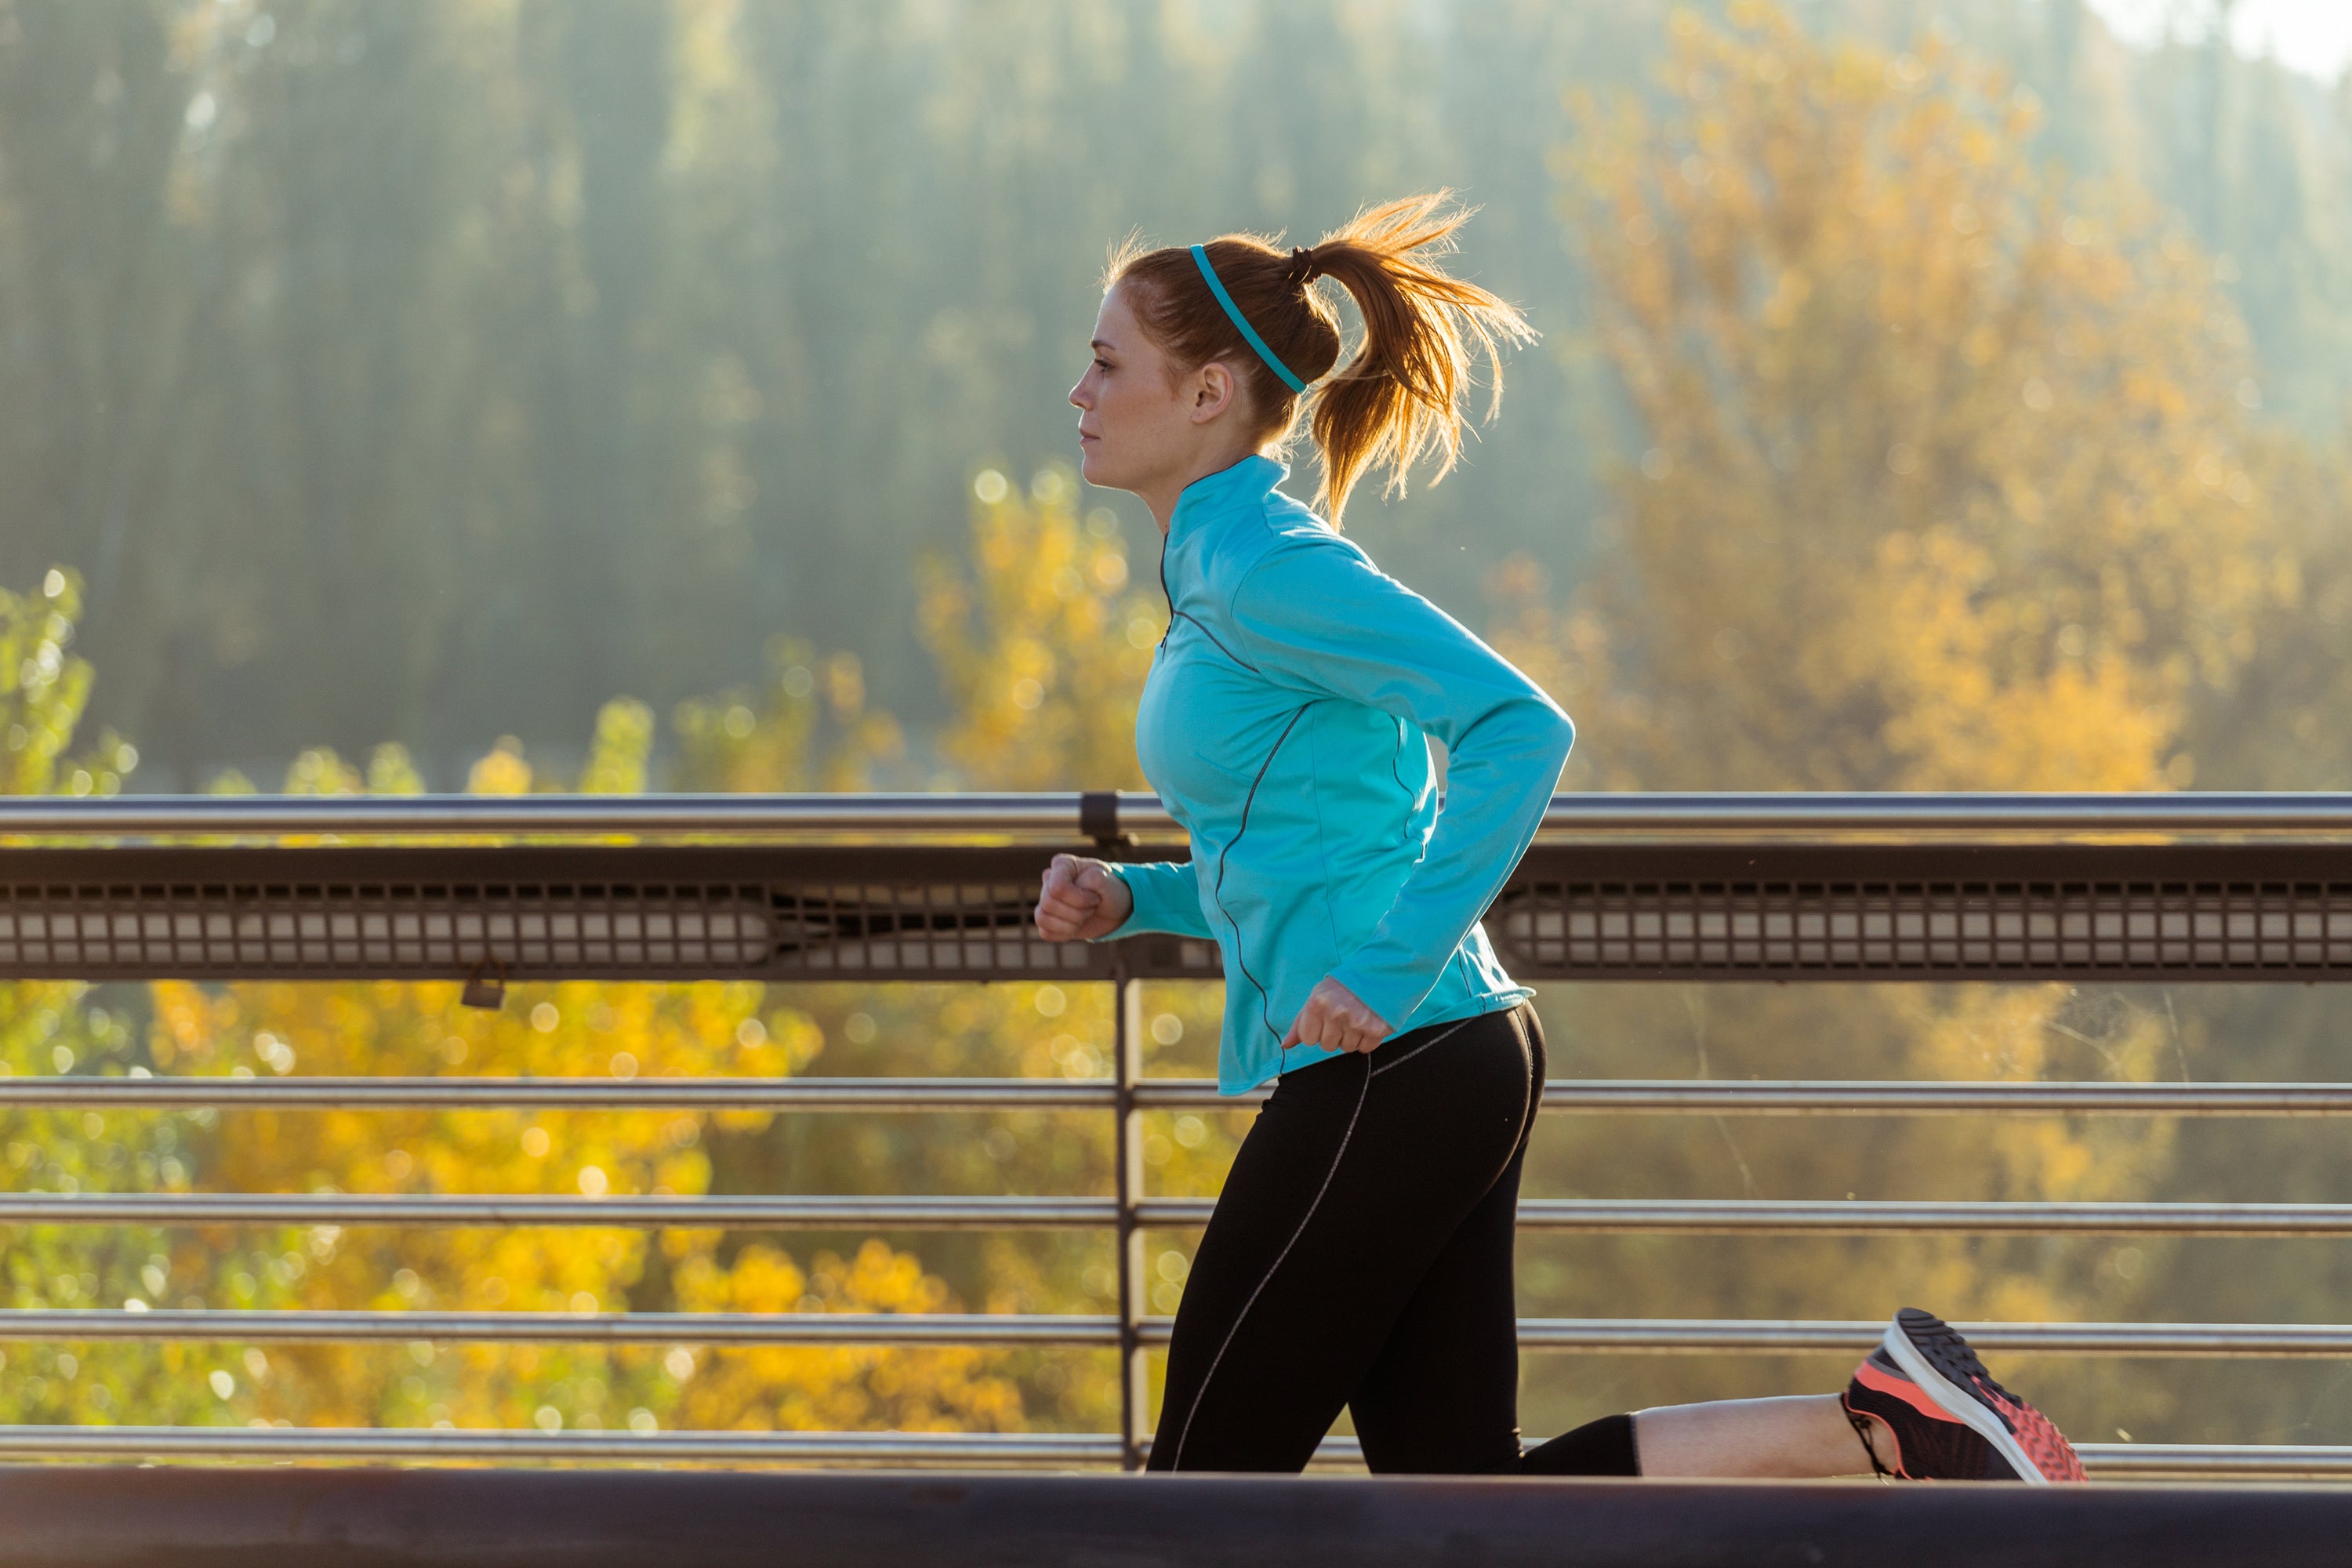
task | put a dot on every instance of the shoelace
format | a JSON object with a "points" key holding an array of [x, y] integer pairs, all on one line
{"points": [[1861, 1425]]}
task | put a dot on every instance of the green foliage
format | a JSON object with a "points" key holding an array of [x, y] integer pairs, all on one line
{"points": [[43, 690]]}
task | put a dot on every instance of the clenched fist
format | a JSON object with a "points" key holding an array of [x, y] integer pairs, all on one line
{"points": [[1336, 1019], [1081, 900]]}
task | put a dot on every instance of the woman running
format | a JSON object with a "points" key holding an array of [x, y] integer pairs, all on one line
{"points": [[1361, 1254]]}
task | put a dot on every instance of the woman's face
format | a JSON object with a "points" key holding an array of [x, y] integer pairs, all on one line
{"points": [[1138, 422]]}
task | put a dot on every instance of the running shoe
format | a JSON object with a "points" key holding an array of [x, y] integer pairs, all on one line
{"points": [[1951, 1421]]}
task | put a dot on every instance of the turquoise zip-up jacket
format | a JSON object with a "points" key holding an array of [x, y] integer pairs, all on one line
{"points": [[1285, 724]]}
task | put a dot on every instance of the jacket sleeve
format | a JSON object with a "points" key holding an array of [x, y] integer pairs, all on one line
{"points": [[1167, 898], [1321, 616]]}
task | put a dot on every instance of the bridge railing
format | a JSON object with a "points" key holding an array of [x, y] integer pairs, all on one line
{"points": [[491, 891]]}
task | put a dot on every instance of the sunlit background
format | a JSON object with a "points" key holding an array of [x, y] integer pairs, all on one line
{"points": [[516, 395], [2313, 37]]}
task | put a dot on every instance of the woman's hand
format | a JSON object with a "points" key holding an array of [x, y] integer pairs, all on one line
{"points": [[1081, 900], [1336, 1020]]}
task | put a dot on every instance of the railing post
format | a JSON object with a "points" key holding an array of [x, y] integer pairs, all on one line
{"points": [[1126, 1145]]}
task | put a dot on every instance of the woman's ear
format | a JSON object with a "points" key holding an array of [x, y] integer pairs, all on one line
{"points": [[1215, 387]]}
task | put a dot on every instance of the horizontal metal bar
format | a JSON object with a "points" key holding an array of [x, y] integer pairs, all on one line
{"points": [[1601, 1336], [231, 1327], [1899, 1217], [444, 815], [855, 1094], [1853, 1098], [1586, 1215], [445, 1517], [1566, 1096], [639, 1516], [483, 1209], [658, 1447], [2216, 1462], [1993, 813], [1012, 1449], [1709, 1335], [1601, 1216], [1057, 813]]}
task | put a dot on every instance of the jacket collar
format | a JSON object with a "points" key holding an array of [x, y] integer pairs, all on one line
{"points": [[1225, 491]]}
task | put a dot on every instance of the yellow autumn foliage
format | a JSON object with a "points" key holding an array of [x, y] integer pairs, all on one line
{"points": [[1943, 481], [1940, 483], [1044, 652], [844, 1387]]}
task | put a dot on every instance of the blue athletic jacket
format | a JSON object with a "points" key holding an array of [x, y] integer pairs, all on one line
{"points": [[1284, 726]]}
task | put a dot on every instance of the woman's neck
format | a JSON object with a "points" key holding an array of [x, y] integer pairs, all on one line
{"points": [[1162, 499]]}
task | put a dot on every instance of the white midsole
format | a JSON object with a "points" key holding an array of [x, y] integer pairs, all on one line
{"points": [[1962, 1405]]}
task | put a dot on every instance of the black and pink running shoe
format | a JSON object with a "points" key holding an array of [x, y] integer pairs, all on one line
{"points": [[1951, 1421]]}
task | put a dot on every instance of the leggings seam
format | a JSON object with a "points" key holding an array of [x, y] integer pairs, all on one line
{"points": [[1400, 1061], [1527, 1107], [1176, 1460], [1527, 1121]]}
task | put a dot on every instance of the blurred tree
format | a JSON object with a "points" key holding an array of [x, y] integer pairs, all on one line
{"points": [[363, 345], [1045, 654], [65, 1026], [1943, 485], [43, 692]]}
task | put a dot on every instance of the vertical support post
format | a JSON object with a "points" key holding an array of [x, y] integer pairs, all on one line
{"points": [[1098, 820], [1126, 1147]]}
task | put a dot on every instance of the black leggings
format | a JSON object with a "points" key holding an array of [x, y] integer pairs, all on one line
{"points": [[1361, 1256]]}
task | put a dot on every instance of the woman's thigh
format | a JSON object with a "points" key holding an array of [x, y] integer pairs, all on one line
{"points": [[1349, 1188], [1443, 1397]]}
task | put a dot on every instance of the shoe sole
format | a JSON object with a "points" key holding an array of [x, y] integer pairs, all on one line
{"points": [[1947, 1370]]}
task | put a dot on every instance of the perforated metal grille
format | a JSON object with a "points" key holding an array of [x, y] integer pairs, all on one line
{"points": [[1565, 929], [899, 913], [2003, 922], [383, 930], [1174, 958], [975, 929], [882, 913]]}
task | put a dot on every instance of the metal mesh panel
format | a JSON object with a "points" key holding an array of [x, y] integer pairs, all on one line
{"points": [[529, 912], [963, 913], [297, 930], [1864, 927], [947, 929], [1564, 928]]}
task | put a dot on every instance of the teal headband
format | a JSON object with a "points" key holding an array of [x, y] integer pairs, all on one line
{"points": [[1249, 333]]}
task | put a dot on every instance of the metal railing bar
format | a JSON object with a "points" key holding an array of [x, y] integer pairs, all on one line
{"points": [[1587, 1215], [850, 1094], [1059, 813], [2005, 812], [1048, 813], [522, 1209], [1600, 1335], [293, 1326], [656, 1448], [2108, 1461], [1850, 1097], [2215, 1461], [1792, 1096], [1880, 1217], [1704, 1335], [1897, 1217]]}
